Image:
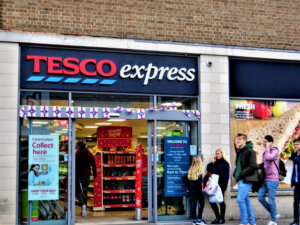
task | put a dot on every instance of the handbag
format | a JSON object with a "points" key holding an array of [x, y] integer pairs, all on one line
{"points": [[217, 197], [211, 186]]}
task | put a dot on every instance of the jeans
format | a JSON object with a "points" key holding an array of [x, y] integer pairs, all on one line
{"points": [[243, 200], [196, 197], [269, 187], [296, 202]]}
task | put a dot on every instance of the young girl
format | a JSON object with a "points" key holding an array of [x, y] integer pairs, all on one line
{"points": [[194, 182]]}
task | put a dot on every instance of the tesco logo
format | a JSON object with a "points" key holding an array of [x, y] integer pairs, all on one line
{"points": [[72, 66]]}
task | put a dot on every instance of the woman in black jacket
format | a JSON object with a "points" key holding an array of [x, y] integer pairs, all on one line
{"points": [[219, 166], [194, 182]]}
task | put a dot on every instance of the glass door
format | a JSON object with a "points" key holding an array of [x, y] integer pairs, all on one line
{"points": [[43, 170], [176, 142]]}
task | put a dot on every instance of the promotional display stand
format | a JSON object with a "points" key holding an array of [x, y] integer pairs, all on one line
{"points": [[116, 169]]}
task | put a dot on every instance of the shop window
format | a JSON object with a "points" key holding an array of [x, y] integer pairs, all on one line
{"points": [[111, 101], [182, 103], [258, 118], [43, 170], [38, 98]]}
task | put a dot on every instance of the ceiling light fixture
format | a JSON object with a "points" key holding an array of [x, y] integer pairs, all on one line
{"points": [[116, 120], [94, 127], [39, 122], [103, 124]]}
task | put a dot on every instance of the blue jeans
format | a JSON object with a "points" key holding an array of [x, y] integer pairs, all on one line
{"points": [[243, 200], [269, 187]]}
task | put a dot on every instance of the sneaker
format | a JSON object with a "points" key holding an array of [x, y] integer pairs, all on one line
{"points": [[83, 211], [277, 216], [200, 222], [272, 223], [194, 222]]}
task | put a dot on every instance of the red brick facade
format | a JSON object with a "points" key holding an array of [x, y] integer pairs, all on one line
{"points": [[253, 23]]}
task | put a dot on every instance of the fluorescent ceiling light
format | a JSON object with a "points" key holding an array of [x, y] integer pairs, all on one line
{"points": [[91, 127], [178, 104], [39, 122], [116, 120], [143, 136], [103, 124], [160, 128], [37, 125]]}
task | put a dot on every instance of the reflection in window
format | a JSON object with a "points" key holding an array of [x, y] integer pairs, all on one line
{"points": [[111, 101], [182, 103], [38, 98]]}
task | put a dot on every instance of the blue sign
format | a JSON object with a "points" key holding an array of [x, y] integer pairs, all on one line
{"points": [[104, 71], [177, 163]]}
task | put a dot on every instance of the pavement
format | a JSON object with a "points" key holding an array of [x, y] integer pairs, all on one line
{"points": [[258, 222]]}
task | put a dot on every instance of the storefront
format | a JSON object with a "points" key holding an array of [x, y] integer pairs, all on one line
{"points": [[137, 112], [264, 100], [65, 90]]}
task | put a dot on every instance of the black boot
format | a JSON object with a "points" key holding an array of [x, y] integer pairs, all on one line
{"points": [[216, 221], [221, 220]]}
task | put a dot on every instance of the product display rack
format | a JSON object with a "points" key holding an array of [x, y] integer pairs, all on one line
{"points": [[119, 191]]}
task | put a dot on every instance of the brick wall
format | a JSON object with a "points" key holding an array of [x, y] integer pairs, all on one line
{"points": [[255, 23]]}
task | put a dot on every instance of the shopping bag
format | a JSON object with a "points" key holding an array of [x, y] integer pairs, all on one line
{"points": [[211, 185], [218, 197]]}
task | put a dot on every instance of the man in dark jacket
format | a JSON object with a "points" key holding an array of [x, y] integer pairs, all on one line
{"points": [[84, 161], [296, 180], [245, 174]]}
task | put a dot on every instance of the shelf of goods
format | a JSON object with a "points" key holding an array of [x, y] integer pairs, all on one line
{"points": [[117, 166]]}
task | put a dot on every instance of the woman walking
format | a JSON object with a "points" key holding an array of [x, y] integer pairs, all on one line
{"points": [[270, 163], [219, 166], [194, 182]]}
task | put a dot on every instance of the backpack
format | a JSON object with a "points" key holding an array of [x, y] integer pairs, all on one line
{"points": [[281, 170]]}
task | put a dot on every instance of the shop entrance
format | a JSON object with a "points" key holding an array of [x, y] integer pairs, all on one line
{"points": [[115, 145]]}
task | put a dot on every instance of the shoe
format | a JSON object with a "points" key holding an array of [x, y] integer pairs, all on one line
{"points": [[83, 211], [272, 223], [215, 221], [294, 223], [201, 222], [221, 221], [277, 216], [194, 222]]}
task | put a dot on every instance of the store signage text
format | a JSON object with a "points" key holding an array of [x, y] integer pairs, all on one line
{"points": [[72, 66], [72, 69]]}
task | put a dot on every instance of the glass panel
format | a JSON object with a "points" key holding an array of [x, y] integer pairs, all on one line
{"points": [[38, 98], [176, 143], [111, 101], [182, 103], [258, 118], [40, 179]]}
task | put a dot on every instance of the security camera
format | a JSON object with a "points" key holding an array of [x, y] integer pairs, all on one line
{"points": [[209, 63]]}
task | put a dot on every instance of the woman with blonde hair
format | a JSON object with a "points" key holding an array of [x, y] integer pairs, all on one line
{"points": [[221, 167], [194, 182]]}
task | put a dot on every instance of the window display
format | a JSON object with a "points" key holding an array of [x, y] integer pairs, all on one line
{"points": [[258, 118]]}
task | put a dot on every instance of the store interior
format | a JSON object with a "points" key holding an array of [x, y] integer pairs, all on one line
{"points": [[114, 143]]}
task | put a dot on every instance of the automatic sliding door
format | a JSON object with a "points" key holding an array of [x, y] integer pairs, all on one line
{"points": [[176, 142]]}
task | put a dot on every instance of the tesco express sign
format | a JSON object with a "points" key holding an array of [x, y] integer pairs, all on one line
{"points": [[72, 66], [73, 69]]}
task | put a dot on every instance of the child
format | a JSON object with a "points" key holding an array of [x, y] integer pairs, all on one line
{"points": [[194, 182]]}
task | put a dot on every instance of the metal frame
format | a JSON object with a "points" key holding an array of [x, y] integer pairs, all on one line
{"points": [[152, 118]]}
